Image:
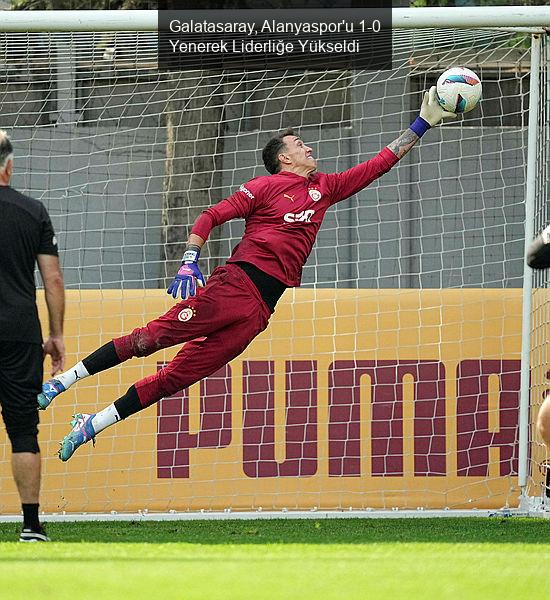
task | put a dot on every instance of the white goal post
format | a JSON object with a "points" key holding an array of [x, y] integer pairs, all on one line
{"points": [[403, 378]]}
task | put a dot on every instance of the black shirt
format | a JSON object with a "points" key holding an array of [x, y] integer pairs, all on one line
{"points": [[25, 232], [270, 289]]}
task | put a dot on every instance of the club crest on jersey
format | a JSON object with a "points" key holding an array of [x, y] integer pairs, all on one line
{"points": [[315, 195], [186, 314]]}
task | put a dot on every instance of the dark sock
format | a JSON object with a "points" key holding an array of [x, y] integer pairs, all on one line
{"points": [[129, 404], [103, 358], [30, 516]]}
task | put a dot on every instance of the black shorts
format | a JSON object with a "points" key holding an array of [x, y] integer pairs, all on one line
{"points": [[21, 370]]}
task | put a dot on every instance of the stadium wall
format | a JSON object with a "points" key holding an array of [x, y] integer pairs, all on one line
{"points": [[393, 399]]}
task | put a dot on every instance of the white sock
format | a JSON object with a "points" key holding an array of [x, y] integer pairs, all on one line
{"points": [[103, 419], [73, 375]]}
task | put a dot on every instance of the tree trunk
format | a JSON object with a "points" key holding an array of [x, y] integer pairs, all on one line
{"points": [[193, 181]]}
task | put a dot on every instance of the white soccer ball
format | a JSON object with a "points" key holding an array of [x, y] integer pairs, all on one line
{"points": [[458, 90]]}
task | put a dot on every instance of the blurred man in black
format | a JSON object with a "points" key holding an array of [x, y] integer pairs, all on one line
{"points": [[26, 238]]}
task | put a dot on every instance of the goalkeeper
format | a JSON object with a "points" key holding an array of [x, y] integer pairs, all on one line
{"points": [[283, 213], [538, 257]]}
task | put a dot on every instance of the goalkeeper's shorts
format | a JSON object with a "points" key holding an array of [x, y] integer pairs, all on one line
{"points": [[21, 370], [217, 325]]}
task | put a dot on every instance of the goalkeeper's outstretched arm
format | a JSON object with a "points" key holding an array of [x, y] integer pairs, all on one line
{"points": [[538, 253], [431, 114], [349, 182]]}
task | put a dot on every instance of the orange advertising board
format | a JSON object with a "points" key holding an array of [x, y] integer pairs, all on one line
{"points": [[350, 399]]}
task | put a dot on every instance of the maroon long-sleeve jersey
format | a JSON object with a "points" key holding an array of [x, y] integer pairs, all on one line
{"points": [[283, 214]]}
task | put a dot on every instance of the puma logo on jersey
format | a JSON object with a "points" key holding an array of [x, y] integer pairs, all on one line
{"points": [[305, 216], [291, 198], [247, 192]]}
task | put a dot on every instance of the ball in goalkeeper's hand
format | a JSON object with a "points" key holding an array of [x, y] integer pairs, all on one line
{"points": [[458, 90]]}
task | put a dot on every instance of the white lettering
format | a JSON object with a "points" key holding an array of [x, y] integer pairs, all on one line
{"points": [[298, 28], [196, 27], [304, 216], [246, 191], [198, 47]]}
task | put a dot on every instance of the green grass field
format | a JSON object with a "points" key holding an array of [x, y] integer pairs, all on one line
{"points": [[348, 559]]}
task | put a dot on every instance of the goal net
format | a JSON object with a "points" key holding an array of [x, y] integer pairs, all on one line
{"points": [[390, 379]]}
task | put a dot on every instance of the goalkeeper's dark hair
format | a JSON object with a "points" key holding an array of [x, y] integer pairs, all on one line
{"points": [[6, 148], [272, 149]]}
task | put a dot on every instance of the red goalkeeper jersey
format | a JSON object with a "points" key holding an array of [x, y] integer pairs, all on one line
{"points": [[283, 214]]}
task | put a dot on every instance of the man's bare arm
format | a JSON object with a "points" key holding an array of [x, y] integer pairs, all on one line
{"points": [[54, 289], [431, 114]]}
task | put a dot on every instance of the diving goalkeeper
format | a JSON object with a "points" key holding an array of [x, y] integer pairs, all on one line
{"points": [[283, 213]]}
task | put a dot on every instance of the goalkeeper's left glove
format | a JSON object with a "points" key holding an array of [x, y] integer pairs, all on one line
{"points": [[431, 113], [189, 276]]}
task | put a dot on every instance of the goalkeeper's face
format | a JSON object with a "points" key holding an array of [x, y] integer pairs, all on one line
{"points": [[298, 156]]}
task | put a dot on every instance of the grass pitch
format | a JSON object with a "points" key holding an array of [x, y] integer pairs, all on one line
{"points": [[383, 559]]}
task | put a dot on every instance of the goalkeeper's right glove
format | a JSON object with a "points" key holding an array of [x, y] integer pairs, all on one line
{"points": [[189, 276], [431, 113]]}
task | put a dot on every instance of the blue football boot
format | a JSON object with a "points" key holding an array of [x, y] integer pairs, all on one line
{"points": [[81, 433], [50, 389]]}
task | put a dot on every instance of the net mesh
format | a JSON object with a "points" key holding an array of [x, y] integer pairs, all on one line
{"points": [[390, 379]]}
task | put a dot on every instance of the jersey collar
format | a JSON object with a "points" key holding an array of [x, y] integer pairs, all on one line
{"points": [[311, 179]]}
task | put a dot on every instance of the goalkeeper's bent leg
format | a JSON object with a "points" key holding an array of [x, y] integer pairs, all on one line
{"points": [[196, 360], [103, 358], [219, 308], [200, 358], [140, 342], [207, 350], [120, 409]]}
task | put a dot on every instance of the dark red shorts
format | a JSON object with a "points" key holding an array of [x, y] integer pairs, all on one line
{"points": [[217, 325]]}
